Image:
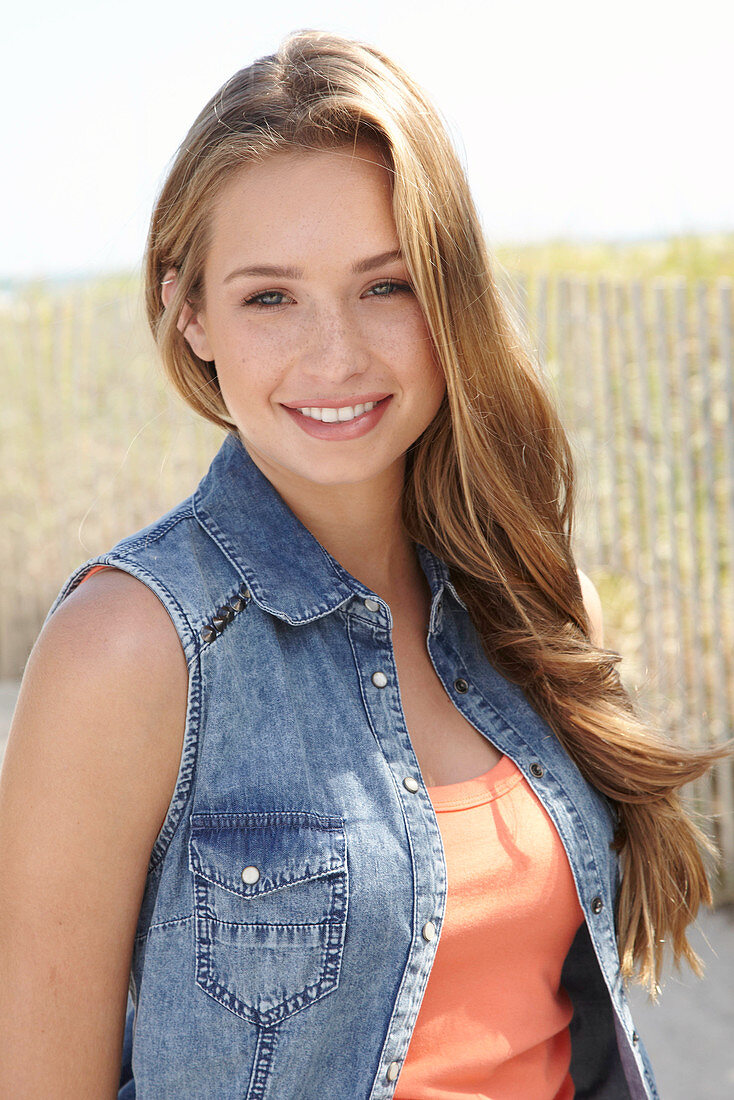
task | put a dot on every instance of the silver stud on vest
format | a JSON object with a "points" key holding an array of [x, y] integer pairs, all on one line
{"points": [[225, 614]]}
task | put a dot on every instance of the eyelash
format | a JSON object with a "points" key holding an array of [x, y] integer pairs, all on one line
{"points": [[254, 299]]}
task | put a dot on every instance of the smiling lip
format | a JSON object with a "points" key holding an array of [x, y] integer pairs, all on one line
{"points": [[344, 429], [330, 403]]}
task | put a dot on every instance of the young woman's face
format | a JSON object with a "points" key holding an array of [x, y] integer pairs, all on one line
{"points": [[306, 307]]}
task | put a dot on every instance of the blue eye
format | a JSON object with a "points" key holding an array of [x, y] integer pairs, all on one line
{"points": [[392, 286], [258, 300]]}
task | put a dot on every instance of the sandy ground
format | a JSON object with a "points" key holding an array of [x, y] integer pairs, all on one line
{"points": [[689, 1035]]}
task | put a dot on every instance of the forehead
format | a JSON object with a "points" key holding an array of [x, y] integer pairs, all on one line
{"points": [[357, 159], [293, 195]]}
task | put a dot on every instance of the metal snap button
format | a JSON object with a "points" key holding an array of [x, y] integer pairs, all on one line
{"points": [[537, 770], [371, 605], [379, 679], [429, 930], [461, 685], [250, 875], [393, 1070], [597, 905], [410, 784]]}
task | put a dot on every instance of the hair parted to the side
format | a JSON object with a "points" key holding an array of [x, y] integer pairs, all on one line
{"points": [[490, 484]]}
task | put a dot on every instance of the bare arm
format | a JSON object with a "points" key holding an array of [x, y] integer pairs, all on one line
{"points": [[89, 771]]}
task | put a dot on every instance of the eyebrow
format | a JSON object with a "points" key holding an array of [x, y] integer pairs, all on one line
{"points": [[275, 271]]}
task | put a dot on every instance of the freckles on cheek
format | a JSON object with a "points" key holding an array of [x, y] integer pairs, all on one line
{"points": [[251, 385], [404, 340], [265, 356]]}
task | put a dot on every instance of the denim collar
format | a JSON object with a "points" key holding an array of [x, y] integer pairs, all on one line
{"points": [[287, 570]]}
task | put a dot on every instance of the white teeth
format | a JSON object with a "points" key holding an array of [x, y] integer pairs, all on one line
{"points": [[331, 416]]}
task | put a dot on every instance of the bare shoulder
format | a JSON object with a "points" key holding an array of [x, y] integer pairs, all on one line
{"points": [[90, 767], [114, 618], [107, 677], [592, 603]]}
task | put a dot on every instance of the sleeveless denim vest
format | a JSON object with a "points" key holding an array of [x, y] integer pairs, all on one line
{"points": [[280, 951]]}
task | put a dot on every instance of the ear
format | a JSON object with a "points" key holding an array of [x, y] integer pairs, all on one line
{"points": [[188, 322]]}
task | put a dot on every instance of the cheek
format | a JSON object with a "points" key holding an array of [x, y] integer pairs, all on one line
{"points": [[426, 358], [240, 342], [249, 366], [407, 341]]}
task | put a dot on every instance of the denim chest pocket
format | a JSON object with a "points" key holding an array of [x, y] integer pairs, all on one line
{"points": [[270, 909]]}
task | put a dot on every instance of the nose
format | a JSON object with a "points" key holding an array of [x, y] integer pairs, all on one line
{"points": [[335, 348]]}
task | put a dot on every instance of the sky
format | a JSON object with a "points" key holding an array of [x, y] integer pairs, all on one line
{"points": [[574, 120]]}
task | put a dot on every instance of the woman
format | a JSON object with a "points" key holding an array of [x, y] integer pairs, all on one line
{"points": [[351, 690]]}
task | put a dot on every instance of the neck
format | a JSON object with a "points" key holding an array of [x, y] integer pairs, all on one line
{"points": [[360, 524]]}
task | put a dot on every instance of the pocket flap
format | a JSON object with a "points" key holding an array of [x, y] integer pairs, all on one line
{"points": [[286, 847]]}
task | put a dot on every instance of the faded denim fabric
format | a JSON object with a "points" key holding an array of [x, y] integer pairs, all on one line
{"points": [[279, 952]]}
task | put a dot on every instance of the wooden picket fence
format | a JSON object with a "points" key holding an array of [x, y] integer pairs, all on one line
{"points": [[93, 445], [644, 376]]}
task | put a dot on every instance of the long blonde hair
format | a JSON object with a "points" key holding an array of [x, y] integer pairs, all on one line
{"points": [[490, 484]]}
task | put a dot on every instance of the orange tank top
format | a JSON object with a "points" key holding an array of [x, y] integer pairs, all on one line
{"points": [[494, 1019]]}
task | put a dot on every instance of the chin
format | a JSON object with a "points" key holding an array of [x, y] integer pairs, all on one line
{"points": [[338, 473]]}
